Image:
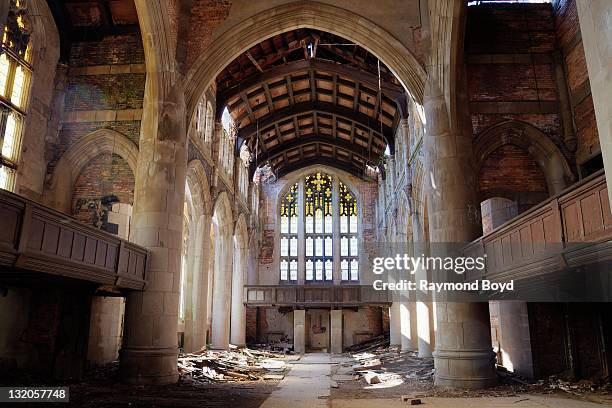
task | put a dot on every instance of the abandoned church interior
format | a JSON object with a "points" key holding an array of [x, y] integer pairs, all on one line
{"points": [[192, 193]]}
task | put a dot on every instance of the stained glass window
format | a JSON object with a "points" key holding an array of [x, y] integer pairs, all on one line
{"points": [[320, 231], [318, 213], [349, 264], [15, 72], [289, 235]]}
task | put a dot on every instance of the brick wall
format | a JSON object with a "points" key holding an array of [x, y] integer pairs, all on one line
{"points": [[103, 176], [522, 59], [511, 173], [206, 15], [569, 41], [103, 89]]}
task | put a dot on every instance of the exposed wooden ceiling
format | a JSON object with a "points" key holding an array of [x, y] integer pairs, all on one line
{"points": [[307, 97], [80, 20]]}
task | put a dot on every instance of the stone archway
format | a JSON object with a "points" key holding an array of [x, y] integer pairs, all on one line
{"points": [[58, 189], [195, 280], [303, 14], [222, 230], [533, 141]]}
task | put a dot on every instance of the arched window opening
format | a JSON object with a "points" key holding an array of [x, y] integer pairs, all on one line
{"points": [[208, 129], [289, 236], [329, 211], [349, 261], [15, 72], [200, 120], [319, 227]]}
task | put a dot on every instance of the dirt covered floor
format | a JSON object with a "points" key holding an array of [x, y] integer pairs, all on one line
{"points": [[100, 388], [405, 377]]}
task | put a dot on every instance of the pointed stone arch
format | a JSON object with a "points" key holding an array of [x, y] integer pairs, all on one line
{"points": [[303, 14], [533, 141], [58, 189]]}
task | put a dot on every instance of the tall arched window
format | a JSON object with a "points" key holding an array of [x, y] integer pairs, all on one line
{"points": [[15, 73], [349, 261], [289, 235], [319, 227], [329, 211]]}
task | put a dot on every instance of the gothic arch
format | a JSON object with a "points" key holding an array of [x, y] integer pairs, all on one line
{"points": [[58, 189], [533, 141], [303, 14], [222, 229], [239, 279], [199, 187]]}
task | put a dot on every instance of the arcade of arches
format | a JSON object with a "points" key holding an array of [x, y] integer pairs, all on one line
{"points": [[195, 173]]}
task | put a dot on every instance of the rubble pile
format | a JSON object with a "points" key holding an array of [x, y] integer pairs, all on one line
{"points": [[385, 367], [231, 365], [374, 343]]}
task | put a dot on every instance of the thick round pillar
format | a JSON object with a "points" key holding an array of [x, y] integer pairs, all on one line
{"points": [[238, 318], [149, 354], [463, 356], [395, 324], [221, 296]]}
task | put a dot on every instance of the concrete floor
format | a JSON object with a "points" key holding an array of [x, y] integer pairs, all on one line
{"points": [[308, 385]]}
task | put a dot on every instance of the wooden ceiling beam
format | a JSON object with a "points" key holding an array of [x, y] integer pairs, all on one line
{"points": [[350, 168], [278, 72], [320, 107], [282, 148]]}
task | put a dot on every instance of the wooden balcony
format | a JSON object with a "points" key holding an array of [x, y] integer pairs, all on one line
{"points": [[35, 238], [314, 296], [571, 229]]}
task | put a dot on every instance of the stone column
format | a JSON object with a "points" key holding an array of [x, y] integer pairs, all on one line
{"points": [[238, 314], [222, 289], [463, 356], [299, 331], [423, 309], [336, 331], [409, 327], [395, 324], [149, 353], [596, 29]]}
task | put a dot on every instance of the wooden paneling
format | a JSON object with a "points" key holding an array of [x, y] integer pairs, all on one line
{"points": [[311, 295], [536, 241], [37, 238]]}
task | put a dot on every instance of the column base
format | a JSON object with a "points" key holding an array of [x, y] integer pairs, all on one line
{"points": [[148, 366], [465, 369]]}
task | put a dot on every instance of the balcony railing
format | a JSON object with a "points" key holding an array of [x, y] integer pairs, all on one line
{"points": [[35, 238], [567, 230], [310, 295]]}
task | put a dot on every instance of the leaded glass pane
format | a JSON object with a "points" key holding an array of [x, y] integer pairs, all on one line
{"points": [[309, 246], [354, 246], [309, 270], [318, 246], [319, 270], [293, 270], [283, 269], [293, 247], [344, 267], [344, 243], [328, 246], [343, 225], [329, 270]]}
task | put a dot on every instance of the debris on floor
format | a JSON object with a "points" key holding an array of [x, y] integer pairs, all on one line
{"points": [[371, 344], [231, 365]]}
